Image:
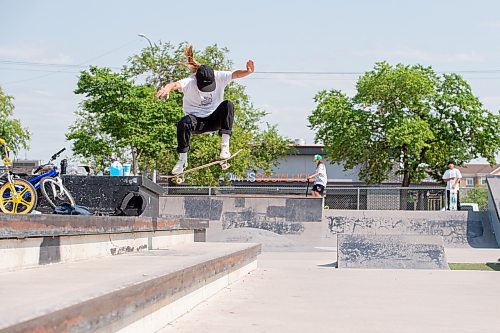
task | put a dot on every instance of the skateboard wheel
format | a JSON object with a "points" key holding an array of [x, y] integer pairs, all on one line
{"points": [[225, 166], [179, 180]]}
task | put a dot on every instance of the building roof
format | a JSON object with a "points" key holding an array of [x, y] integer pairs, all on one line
{"points": [[478, 169], [307, 150]]}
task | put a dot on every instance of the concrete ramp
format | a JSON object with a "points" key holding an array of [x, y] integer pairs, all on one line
{"points": [[494, 205], [390, 251]]}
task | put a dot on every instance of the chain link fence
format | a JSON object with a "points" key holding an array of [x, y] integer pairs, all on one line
{"points": [[349, 197], [377, 198]]}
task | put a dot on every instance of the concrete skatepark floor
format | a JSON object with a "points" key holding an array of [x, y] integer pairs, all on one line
{"points": [[301, 292]]}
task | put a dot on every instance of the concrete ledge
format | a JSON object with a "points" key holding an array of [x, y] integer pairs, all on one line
{"points": [[458, 229], [390, 251], [119, 293], [31, 240], [34, 251], [298, 218], [23, 226]]}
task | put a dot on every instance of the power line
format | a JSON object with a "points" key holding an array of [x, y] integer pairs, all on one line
{"points": [[68, 71], [43, 64], [38, 70], [80, 64], [29, 63], [51, 68]]}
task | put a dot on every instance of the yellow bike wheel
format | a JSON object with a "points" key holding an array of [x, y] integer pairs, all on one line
{"points": [[18, 197]]}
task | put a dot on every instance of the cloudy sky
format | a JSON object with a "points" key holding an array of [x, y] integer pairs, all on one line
{"points": [[44, 44]]}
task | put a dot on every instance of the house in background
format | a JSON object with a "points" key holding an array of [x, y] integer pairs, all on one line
{"points": [[475, 174]]}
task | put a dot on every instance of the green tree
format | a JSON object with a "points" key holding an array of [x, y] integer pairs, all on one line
{"points": [[120, 115], [408, 116], [478, 195], [120, 118], [11, 130]]}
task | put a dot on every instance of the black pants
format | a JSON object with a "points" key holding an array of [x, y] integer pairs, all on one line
{"points": [[221, 119], [448, 196]]}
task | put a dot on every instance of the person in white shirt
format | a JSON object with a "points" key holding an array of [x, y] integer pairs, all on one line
{"points": [[320, 178], [204, 106], [452, 178]]}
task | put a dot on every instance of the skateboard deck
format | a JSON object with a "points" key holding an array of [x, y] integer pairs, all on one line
{"points": [[453, 199], [179, 178]]}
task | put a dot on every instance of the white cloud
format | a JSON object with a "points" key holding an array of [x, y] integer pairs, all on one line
{"points": [[491, 24], [24, 52]]}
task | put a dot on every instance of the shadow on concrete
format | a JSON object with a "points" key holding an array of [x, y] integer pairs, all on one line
{"points": [[479, 231], [331, 265]]}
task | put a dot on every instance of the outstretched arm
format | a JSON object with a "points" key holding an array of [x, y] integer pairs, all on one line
{"points": [[242, 73], [164, 92]]}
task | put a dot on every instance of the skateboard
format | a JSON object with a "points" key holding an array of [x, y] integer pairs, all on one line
{"points": [[453, 199], [179, 178]]}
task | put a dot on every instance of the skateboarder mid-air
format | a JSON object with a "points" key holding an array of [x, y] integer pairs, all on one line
{"points": [[204, 106], [320, 178], [452, 178]]}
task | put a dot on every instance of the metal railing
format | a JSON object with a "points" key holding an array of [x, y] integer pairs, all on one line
{"points": [[340, 197]]}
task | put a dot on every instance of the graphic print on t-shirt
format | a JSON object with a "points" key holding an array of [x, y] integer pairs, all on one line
{"points": [[206, 100]]}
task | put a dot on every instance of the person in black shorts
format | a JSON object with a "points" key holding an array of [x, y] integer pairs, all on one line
{"points": [[320, 178]]}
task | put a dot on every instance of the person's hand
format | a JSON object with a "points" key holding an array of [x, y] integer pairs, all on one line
{"points": [[163, 93], [453, 186], [250, 66]]}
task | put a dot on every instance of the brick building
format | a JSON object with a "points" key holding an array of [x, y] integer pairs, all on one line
{"points": [[475, 174]]}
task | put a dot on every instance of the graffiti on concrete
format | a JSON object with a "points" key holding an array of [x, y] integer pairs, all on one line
{"points": [[206, 208], [452, 231], [250, 219], [127, 249], [390, 251]]}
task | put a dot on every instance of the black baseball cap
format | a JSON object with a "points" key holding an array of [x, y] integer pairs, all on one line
{"points": [[205, 78]]}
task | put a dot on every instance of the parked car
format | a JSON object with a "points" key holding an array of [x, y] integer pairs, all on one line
{"points": [[468, 207], [471, 207]]}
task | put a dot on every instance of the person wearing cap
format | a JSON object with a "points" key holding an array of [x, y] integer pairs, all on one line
{"points": [[452, 178], [204, 106], [320, 177]]}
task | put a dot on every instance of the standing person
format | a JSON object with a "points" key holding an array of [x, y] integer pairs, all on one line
{"points": [[320, 177], [204, 106], [452, 178]]}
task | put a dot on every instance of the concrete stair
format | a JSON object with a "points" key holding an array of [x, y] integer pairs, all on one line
{"points": [[141, 290]]}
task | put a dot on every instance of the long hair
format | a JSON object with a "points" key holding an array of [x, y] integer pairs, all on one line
{"points": [[190, 62]]}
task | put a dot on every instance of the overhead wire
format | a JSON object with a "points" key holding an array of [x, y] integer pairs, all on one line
{"points": [[54, 68], [79, 64]]}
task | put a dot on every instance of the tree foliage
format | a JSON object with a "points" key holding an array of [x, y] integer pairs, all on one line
{"points": [[120, 115], [405, 115], [478, 195], [11, 130]]}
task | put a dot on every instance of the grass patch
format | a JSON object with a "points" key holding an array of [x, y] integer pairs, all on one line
{"points": [[474, 267]]}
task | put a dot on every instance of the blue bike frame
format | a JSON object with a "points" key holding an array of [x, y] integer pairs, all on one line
{"points": [[36, 180]]}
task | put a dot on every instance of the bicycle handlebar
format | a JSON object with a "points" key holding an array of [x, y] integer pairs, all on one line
{"points": [[56, 155]]}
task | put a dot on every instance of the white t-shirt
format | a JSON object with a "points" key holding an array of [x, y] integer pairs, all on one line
{"points": [[455, 173], [199, 103], [321, 179]]}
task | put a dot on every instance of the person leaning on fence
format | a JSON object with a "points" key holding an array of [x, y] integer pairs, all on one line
{"points": [[320, 178], [452, 178]]}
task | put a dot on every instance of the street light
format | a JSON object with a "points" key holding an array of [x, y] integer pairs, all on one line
{"points": [[146, 38], [152, 53]]}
